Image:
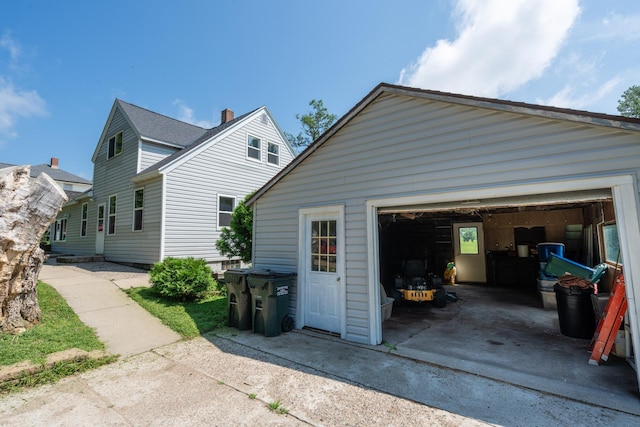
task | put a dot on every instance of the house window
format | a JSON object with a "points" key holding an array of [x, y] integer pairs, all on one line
{"points": [[229, 264], [111, 220], [253, 147], [226, 205], [60, 234], [609, 243], [83, 219], [115, 145], [273, 155], [469, 240], [138, 206]]}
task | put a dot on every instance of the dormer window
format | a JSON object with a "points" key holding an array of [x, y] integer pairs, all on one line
{"points": [[253, 147], [115, 145]]}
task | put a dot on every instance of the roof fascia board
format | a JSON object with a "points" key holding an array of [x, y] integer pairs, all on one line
{"points": [[103, 135], [205, 145], [283, 136], [548, 112]]}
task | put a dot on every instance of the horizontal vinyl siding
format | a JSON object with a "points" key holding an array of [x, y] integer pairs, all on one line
{"points": [[76, 244], [151, 153], [400, 145], [113, 177], [192, 189]]}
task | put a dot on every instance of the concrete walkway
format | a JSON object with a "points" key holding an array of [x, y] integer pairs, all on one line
{"points": [[94, 292]]}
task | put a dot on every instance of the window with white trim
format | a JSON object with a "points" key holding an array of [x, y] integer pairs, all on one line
{"points": [[115, 145], [273, 153], [111, 219], [138, 207], [83, 219], [226, 204], [253, 147], [60, 232]]}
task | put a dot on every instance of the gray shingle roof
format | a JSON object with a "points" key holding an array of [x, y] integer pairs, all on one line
{"points": [[55, 174], [160, 128]]}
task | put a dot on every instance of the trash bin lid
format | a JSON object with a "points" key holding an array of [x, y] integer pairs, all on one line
{"points": [[266, 273]]}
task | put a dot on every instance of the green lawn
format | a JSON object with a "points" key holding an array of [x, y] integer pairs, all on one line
{"points": [[189, 319], [60, 329]]}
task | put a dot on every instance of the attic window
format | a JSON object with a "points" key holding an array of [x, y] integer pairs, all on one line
{"points": [[273, 153], [253, 147], [115, 145]]}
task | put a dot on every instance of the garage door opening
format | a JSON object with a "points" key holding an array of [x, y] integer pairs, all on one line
{"points": [[498, 322]]}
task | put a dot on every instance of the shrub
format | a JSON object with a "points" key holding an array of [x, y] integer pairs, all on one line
{"points": [[182, 278]]}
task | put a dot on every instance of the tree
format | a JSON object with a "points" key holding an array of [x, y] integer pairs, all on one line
{"points": [[27, 207], [236, 240], [313, 124], [629, 104]]}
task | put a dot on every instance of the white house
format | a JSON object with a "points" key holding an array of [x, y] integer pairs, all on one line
{"points": [[162, 187]]}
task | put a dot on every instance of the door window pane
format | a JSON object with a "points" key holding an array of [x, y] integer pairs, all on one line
{"points": [[468, 240], [323, 246]]}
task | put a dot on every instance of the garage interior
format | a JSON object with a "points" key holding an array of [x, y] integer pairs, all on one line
{"points": [[501, 327]]}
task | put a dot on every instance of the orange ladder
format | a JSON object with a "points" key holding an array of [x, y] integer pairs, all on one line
{"points": [[609, 324]]}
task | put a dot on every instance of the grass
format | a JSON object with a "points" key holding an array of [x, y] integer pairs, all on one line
{"points": [[189, 319], [275, 407], [59, 329]]}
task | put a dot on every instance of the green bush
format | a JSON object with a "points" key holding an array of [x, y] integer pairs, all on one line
{"points": [[182, 278]]}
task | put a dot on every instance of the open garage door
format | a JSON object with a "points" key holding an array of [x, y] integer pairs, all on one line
{"points": [[502, 322]]}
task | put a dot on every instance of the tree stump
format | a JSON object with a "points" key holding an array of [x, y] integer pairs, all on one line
{"points": [[27, 208]]}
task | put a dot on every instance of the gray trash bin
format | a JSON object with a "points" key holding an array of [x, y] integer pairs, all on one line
{"points": [[270, 301], [238, 298]]}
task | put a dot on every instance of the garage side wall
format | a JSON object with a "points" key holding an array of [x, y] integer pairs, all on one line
{"points": [[401, 146]]}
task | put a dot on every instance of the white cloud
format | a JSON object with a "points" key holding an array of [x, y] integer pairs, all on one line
{"points": [[15, 103], [571, 96], [618, 27], [185, 114], [501, 45], [6, 42]]}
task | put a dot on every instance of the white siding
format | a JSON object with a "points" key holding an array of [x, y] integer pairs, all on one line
{"points": [[400, 145], [76, 244], [151, 153], [220, 168], [113, 177]]}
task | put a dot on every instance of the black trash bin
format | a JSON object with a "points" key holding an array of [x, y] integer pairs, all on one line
{"points": [[270, 301], [575, 311], [238, 298]]}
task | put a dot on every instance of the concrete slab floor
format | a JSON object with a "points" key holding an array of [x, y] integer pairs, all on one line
{"points": [[505, 334]]}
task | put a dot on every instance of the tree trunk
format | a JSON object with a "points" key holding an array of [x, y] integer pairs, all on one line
{"points": [[27, 208]]}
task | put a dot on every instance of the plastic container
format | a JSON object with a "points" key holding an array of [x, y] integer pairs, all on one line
{"points": [[270, 301], [238, 298], [523, 251], [559, 266], [544, 249], [575, 311]]}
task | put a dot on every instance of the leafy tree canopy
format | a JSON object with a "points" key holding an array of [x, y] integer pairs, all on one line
{"points": [[236, 240], [313, 124], [629, 103]]}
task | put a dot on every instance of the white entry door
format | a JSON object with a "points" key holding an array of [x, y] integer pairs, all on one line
{"points": [[322, 290], [468, 244], [100, 230]]}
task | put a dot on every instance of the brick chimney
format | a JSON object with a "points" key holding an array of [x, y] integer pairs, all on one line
{"points": [[54, 163], [227, 116]]}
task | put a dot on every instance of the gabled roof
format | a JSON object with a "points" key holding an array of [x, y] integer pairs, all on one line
{"points": [[209, 136], [55, 174], [156, 127], [152, 126], [598, 119]]}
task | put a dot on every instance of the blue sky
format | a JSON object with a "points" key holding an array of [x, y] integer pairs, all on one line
{"points": [[63, 63]]}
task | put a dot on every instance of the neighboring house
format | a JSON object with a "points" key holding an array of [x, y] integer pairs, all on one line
{"points": [[72, 184], [400, 173], [165, 188]]}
